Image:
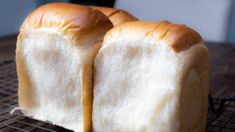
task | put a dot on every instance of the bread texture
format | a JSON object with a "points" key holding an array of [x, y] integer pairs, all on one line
{"points": [[151, 76], [116, 16], [56, 47]]}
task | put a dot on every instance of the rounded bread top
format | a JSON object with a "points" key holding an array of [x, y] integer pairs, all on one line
{"points": [[117, 16], [178, 36], [73, 20]]}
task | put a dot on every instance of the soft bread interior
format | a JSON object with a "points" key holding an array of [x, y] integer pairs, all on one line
{"points": [[54, 66], [56, 46], [141, 86]]}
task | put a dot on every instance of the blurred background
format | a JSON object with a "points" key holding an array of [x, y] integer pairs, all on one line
{"points": [[213, 19]]}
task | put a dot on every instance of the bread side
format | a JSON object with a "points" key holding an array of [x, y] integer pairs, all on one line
{"points": [[144, 83], [54, 56]]}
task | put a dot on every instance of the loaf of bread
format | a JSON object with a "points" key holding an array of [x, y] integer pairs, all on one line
{"points": [[116, 16], [55, 50], [148, 76], [151, 76]]}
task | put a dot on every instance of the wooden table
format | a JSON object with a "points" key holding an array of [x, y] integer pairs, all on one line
{"points": [[222, 61]]}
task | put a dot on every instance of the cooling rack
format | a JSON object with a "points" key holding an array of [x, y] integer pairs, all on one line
{"points": [[221, 111], [16, 122]]}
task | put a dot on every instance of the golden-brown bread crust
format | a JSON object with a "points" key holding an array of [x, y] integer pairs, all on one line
{"points": [[179, 37], [116, 16], [75, 22], [106, 10]]}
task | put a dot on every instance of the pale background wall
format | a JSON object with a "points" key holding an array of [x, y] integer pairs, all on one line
{"points": [[12, 14], [209, 17]]}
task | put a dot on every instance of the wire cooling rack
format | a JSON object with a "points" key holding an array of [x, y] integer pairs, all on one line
{"points": [[16, 122], [221, 114]]}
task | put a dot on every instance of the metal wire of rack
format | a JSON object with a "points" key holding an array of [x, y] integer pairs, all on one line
{"points": [[221, 111], [8, 101], [221, 115]]}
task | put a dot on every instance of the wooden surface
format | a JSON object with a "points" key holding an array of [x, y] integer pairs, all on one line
{"points": [[222, 65]]}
